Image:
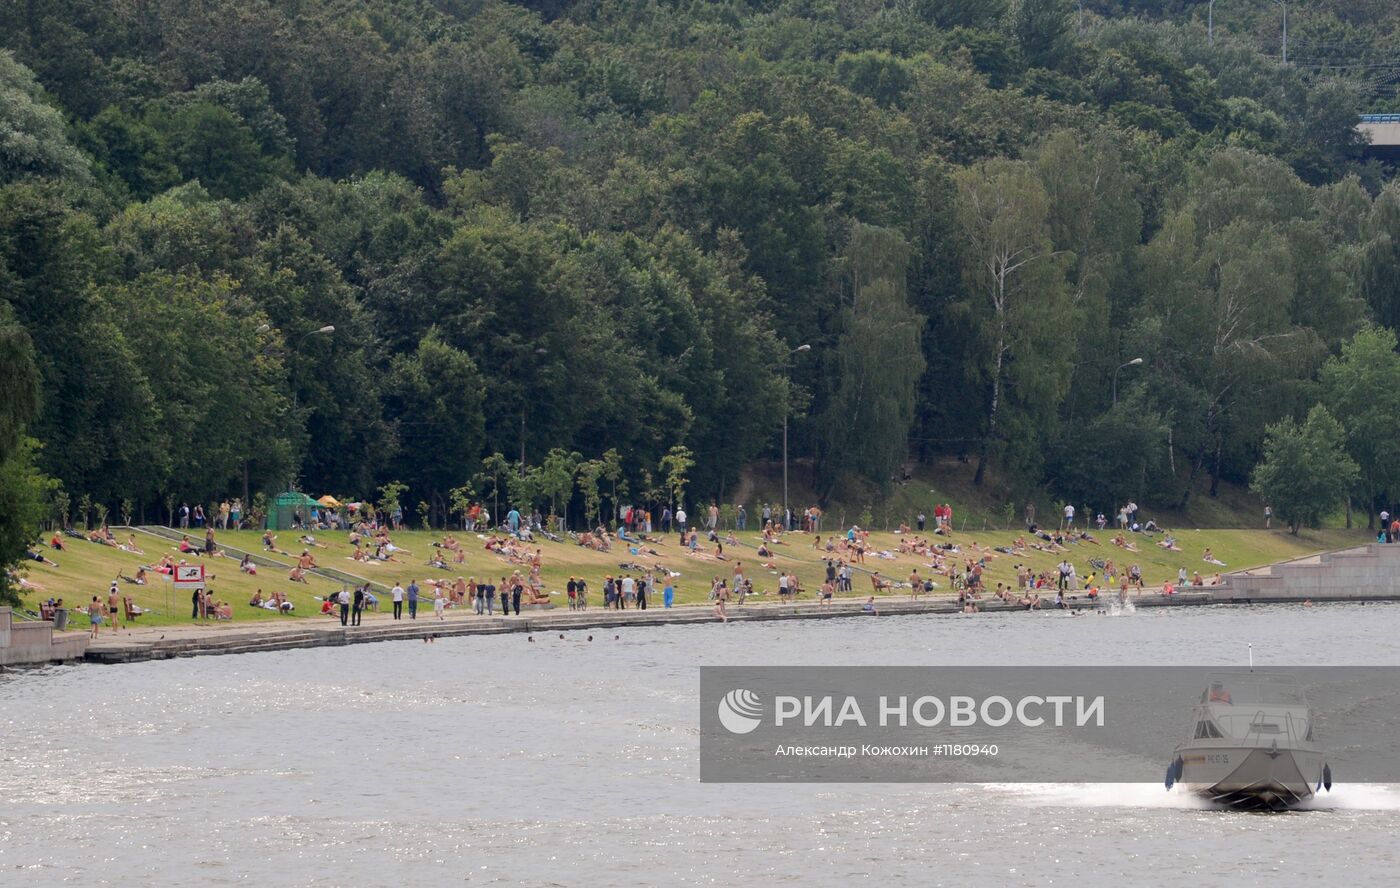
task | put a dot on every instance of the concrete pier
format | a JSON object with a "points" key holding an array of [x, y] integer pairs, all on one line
{"points": [[26, 643]]}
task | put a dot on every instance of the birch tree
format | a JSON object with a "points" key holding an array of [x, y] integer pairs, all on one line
{"points": [[1016, 286]]}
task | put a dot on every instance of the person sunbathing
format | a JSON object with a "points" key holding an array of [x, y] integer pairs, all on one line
{"points": [[1169, 542], [308, 540], [360, 555], [764, 551], [247, 566], [39, 556], [1209, 556], [130, 546], [1121, 542], [256, 600], [140, 578], [297, 575]]}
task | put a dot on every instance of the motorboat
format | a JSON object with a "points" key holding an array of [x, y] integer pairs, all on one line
{"points": [[1250, 745]]}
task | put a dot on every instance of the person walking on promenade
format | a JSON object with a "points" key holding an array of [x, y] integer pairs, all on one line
{"points": [[668, 595], [343, 599], [114, 606], [412, 595], [96, 613], [515, 592], [439, 604], [358, 606], [397, 594], [642, 585]]}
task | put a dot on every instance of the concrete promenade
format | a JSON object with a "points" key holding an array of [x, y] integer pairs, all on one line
{"points": [[164, 642]]}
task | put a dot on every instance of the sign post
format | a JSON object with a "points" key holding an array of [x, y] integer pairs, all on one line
{"points": [[189, 576]]}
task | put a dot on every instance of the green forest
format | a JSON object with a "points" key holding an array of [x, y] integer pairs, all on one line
{"points": [[1102, 249]]}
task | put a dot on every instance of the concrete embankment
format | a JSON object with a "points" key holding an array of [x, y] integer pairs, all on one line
{"points": [[1370, 573], [179, 641], [1366, 573], [33, 642]]}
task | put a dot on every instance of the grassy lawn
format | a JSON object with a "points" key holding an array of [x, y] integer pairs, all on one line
{"points": [[86, 569]]}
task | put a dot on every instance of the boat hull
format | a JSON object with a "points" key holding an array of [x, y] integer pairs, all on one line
{"points": [[1251, 778]]}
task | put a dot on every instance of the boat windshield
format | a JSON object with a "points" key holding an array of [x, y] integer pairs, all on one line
{"points": [[1253, 689]]}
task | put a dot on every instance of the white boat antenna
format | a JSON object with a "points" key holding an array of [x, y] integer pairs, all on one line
{"points": [[1251, 657]]}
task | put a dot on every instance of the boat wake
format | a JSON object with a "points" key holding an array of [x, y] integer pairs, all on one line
{"points": [[1097, 795], [1344, 797]]}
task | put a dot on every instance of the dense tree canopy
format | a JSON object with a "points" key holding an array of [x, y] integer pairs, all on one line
{"points": [[340, 245]]}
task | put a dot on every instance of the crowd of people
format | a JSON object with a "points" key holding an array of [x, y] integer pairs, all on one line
{"points": [[754, 568]]}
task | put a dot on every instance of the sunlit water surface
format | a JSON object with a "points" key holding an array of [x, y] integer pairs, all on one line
{"points": [[496, 760]]}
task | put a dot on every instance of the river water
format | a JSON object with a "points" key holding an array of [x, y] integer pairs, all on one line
{"points": [[497, 760]]}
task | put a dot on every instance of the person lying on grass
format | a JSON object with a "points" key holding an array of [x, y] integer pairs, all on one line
{"points": [[34, 555]]}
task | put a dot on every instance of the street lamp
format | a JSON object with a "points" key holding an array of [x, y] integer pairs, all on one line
{"points": [[1133, 363], [805, 347], [322, 331], [296, 395], [523, 401]]}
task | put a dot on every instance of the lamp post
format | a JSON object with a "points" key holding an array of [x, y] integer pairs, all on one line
{"points": [[1210, 23], [296, 395], [523, 402], [1133, 363], [801, 348]]}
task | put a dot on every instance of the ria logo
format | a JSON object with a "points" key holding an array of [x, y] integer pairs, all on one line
{"points": [[740, 711]]}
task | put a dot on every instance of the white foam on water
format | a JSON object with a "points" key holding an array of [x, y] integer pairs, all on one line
{"points": [[1098, 795], [1356, 797], [1348, 797]]}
